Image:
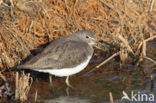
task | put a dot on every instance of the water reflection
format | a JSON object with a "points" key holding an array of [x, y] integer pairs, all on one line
{"points": [[66, 99], [96, 88]]}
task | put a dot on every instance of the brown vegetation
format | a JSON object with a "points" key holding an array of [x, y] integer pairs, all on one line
{"points": [[25, 24], [23, 84]]}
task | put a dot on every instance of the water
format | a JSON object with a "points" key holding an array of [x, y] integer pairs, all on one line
{"points": [[96, 86]]}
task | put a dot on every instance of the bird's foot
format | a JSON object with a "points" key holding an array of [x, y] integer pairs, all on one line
{"points": [[68, 83]]}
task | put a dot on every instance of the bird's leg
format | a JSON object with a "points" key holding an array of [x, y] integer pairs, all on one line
{"points": [[50, 80], [67, 82], [67, 91]]}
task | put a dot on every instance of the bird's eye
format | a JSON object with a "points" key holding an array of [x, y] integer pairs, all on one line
{"points": [[87, 37]]}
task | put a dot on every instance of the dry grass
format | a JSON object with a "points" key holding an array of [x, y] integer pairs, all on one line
{"points": [[125, 23], [2, 77], [23, 84]]}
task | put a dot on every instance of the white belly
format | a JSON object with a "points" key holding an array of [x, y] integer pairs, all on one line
{"points": [[67, 71]]}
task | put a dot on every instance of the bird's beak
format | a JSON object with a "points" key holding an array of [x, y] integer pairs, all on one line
{"points": [[95, 43]]}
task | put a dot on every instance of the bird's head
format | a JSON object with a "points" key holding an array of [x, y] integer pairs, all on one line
{"points": [[87, 36]]}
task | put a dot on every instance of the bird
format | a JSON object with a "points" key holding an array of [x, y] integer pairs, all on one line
{"points": [[64, 56]]}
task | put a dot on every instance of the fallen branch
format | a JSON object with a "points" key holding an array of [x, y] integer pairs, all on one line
{"points": [[150, 59], [107, 59], [150, 38]]}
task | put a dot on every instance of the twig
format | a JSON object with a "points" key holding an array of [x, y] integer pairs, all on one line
{"points": [[150, 59], [144, 48], [45, 12], [17, 85], [2, 76], [111, 97], [36, 96], [31, 25], [108, 5], [12, 4], [126, 44], [107, 59], [150, 38], [1, 2], [11, 8], [23, 84], [152, 6], [103, 62]]}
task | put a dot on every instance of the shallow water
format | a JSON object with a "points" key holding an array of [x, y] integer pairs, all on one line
{"points": [[96, 86]]}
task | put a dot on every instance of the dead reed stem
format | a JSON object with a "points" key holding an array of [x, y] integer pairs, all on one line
{"points": [[144, 49], [152, 5], [148, 39], [115, 54], [36, 96], [111, 97], [150, 59], [126, 44], [23, 84], [3, 77]]}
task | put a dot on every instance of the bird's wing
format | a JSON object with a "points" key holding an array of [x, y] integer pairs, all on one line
{"points": [[66, 55]]}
